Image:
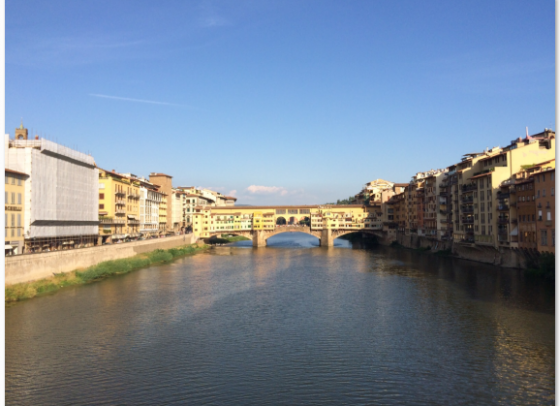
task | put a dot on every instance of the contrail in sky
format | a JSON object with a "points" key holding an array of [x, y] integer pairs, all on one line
{"points": [[138, 100]]}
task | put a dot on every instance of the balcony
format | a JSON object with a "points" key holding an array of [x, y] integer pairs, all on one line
{"points": [[468, 220], [120, 211], [108, 220], [120, 203], [503, 207], [134, 195], [503, 220], [468, 188], [467, 199], [503, 195], [120, 193], [467, 209], [131, 222]]}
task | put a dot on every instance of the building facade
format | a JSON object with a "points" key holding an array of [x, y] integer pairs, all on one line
{"points": [[61, 193], [14, 205]]}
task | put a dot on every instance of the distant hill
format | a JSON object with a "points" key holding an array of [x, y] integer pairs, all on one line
{"points": [[243, 204]]}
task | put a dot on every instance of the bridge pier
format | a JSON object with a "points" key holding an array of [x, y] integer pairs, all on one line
{"points": [[327, 239], [259, 239]]}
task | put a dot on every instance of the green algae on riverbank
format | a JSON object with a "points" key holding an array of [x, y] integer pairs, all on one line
{"points": [[28, 290]]}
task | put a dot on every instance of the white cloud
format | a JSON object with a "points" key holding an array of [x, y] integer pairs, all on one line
{"points": [[267, 190], [136, 100], [232, 193], [214, 21]]}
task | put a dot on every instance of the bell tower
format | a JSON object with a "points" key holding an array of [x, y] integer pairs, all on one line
{"points": [[21, 133]]}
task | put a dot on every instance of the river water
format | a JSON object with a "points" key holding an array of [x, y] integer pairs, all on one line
{"points": [[290, 324]]}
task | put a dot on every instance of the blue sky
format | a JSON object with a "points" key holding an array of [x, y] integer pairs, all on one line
{"points": [[288, 102]]}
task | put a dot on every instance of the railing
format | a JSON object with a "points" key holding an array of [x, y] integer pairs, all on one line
{"points": [[120, 211], [467, 199], [503, 195], [111, 221], [468, 188], [503, 220], [503, 207], [133, 221], [120, 193], [467, 209], [134, 195], [120, 202], [468, 220]]}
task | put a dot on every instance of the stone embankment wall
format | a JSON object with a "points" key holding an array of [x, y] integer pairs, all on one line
{"points": [[25, 268], [504, 257]]}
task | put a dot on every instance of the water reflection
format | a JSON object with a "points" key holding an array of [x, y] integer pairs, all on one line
{"points": [[292, 323]]}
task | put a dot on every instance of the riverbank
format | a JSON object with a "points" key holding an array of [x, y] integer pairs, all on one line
{"points": [[225, 239], [100, 271]]}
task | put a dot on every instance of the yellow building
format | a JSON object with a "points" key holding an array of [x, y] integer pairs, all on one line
{"points": [[14, 211], [119, 209], [210, 220], [163, 214]]}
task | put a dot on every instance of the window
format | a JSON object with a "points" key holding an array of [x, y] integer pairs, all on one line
{"points": [[538, 194], [13, 220], [533, 217], [489, 193], [548, 215], [544, 237], [7, 177], [483, 218], [101, 206], [13, 198], [523, 199], [489, 230], [540, 215], [6, 198], [483, 230], [544, 193], [19, 198], [101, 196], [524, 218], [552, 192], [19, 181], [19, 232], [552, 179], [19, 220], [13, 183]]}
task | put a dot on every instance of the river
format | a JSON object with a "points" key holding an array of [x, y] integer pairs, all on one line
{"points": [[292, 323]]}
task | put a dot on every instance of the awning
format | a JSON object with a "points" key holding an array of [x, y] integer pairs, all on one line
{"points": [[514, 231], [8, 247], [131, 217], [103, 213]]}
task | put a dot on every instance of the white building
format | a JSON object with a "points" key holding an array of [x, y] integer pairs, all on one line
{"points": [[61, 193]]}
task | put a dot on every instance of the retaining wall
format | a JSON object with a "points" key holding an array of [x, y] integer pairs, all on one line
{"points": [[25, 268]]}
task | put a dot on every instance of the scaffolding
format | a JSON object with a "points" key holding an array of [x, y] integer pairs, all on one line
{"points": [[61, 194]]}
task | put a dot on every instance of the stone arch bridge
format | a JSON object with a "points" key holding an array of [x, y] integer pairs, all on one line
{"points": [[259, 237], [259, 223]]}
